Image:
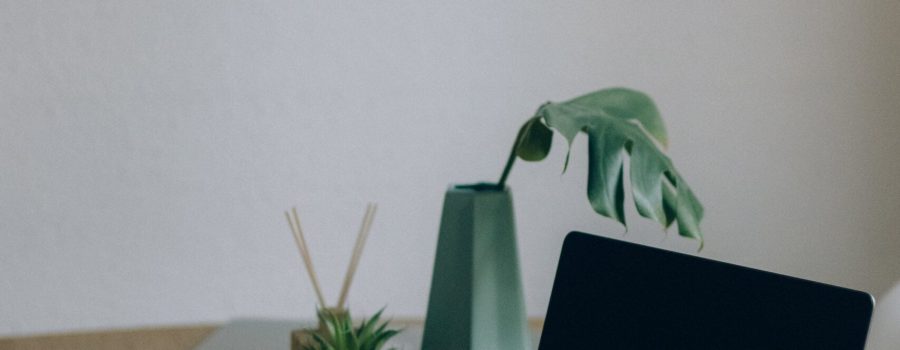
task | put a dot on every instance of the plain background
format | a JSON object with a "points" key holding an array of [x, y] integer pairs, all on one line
{"points": [[149, 149]]}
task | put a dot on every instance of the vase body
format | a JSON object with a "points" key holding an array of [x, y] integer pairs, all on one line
{"points": [[476, 299]]}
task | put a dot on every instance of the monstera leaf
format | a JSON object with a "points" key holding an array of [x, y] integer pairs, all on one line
{"points": [[618, 122]]}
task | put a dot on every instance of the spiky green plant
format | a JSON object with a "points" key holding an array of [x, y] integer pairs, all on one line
{"points": [[370, 335]]}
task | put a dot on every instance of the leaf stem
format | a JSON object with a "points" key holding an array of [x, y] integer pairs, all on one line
{"points": [[509, 163]]}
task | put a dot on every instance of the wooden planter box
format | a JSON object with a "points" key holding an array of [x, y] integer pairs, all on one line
{"points": [[301, 338]]}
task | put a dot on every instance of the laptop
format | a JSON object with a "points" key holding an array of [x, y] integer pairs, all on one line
{"points": [[610, 294]]}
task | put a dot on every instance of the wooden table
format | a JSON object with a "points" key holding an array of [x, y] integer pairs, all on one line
{"points": [[167, 338]]}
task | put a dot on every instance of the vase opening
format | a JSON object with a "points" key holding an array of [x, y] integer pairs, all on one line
{"points": [[480, 187]]}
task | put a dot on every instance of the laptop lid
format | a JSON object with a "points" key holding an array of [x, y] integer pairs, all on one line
{"points": [[610, 294]]}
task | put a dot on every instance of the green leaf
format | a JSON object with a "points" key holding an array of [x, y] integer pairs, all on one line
{"points": [[534, 140], [622, 122], [620, 102]]}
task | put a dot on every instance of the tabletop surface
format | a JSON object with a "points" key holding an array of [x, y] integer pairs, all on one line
{"points": [[237, 334], [275, 334], [168, 338]]}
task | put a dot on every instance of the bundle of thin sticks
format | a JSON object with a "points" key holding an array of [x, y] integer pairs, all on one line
{"points": [[294, 222]]}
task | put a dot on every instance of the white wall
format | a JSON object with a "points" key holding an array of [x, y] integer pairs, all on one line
{"points": [[148, 149]]}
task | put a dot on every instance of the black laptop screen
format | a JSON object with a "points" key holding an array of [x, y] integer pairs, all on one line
{"points": [[610, 294]]}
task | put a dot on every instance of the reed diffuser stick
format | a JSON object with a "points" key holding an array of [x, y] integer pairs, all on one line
{"points": [[357, 252], [304, 253]]}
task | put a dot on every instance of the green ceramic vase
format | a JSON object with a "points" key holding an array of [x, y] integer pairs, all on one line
{"points": [[476, 299]]}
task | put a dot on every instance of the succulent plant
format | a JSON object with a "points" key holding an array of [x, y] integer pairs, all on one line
{"points": [[371, 334]]}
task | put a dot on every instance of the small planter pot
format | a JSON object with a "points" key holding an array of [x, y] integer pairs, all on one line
{"points": [[304, 337]]}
